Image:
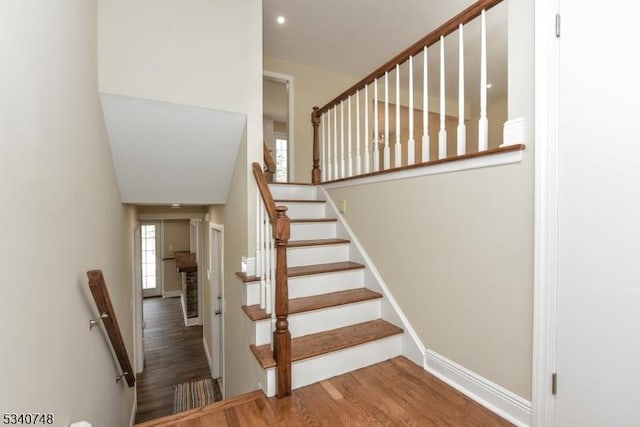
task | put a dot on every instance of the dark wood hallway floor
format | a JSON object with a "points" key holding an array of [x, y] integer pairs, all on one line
{"points": [[173, 354]]}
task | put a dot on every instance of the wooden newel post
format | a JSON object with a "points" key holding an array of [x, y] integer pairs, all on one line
{"points": [[315, 172], [282, 336]]}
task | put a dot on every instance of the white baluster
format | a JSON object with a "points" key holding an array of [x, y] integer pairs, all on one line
{"points": [[324, 151], [358, 158], [342, 156], [442, 135], [397, 162], [366, 129], [272, 269], [462, 130], [411, 143], [483, 123], [263, 283], [269, 279], [329, 164], [350, 159], [335, 142], [387, 151], [426, 143], [376, 152], [258, 250]]}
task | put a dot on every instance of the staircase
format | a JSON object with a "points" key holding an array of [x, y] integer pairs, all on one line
{"points": [[335, 318]]}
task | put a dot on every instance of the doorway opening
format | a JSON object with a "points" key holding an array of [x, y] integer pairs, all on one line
{"points": [[214, 342], [277, 91]]}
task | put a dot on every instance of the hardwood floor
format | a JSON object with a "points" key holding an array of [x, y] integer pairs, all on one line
{"points": [[393, 393], [173, 354]]}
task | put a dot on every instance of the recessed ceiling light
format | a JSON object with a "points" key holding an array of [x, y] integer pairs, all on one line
{"points": [[280, 19], [175, 205], [489, 86]]}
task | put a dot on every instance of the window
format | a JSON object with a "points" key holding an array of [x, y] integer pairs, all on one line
{"points": [[282, 173], [149, 256]]}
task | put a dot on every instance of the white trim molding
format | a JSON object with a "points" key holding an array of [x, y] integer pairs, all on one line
{"points": [[134, 407], [545, 273], [497, 159], [503, 402]]}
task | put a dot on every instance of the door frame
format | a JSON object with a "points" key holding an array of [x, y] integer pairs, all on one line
{"points": [[545, 289], [288, 80], [217, 229], [136, 271]]}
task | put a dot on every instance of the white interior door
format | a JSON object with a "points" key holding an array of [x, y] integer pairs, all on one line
{"points": [[151, 259], [215, 269], [598, 359]]}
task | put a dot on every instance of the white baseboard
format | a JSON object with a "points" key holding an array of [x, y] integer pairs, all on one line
{"points": [[206, 353], [134, 408], [171, 294], [503, 402]]}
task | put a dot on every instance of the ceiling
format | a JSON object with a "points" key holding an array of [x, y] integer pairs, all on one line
{"points": [[354, 37], [167, 153]]}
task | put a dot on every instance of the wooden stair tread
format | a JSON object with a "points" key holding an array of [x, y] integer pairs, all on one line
{"points": [[311, 220], [316, 242], [299, 201], [329, 341], [307, 270], [316, 302], [291, 183], [195, 413]]}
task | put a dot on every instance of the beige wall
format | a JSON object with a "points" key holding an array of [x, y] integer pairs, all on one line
{"points": [[176, 238], [202, 53], [456, 253], [207, 54], [311, 87], [456, 250], [62, 216]]}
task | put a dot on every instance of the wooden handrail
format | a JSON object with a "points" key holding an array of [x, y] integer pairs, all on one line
{"points": [[268, 159], [433, 37], [281, 226], [100, 294]]}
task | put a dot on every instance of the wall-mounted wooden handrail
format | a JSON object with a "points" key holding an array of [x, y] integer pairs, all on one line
{"points": [[100, 294], [281, 229], [269, 163]]}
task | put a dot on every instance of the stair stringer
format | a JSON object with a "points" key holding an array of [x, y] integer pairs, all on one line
{"points": [[411, 347]]}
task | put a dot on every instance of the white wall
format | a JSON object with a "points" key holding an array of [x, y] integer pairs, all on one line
{"points": [[61, 216], [599, 208]]}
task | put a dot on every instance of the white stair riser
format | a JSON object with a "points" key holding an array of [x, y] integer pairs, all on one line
{"points": [[305, 286], [322, 254], [312, 322], [266, 379], [262, 332], [309, 371], [252, 294], [314, 230], [304, 210], [293, 192], [317, 284]]}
